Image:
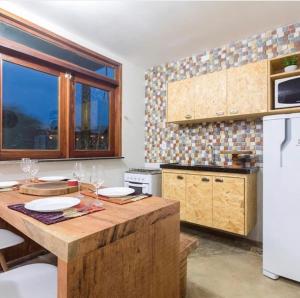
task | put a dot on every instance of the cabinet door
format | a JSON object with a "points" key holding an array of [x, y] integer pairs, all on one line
{"points": [[247, 88], [174, 189], [180, 106], [229, 204], [209, 95], [199, 199]]}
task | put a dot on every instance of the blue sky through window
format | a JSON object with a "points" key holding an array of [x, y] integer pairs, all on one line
{"points": [[32, 92], [30, 108]]}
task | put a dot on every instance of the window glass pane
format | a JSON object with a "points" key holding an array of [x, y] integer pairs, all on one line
{"points": [[30, 108], [106, 71], [91, 118], [29, 40]]}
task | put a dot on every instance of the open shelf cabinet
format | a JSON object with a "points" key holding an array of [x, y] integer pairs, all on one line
{"points": [[276, 71]]}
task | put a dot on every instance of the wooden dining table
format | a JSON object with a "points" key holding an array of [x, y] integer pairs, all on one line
{"points": [[129, 250]]}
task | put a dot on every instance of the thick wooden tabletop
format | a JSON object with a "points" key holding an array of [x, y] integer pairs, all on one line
{"points": [[79, 236]]}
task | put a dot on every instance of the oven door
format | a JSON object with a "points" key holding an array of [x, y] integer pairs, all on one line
{"points": [[138, 187]]}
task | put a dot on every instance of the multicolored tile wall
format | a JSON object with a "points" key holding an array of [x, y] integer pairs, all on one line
{"points": [[166, 143]]}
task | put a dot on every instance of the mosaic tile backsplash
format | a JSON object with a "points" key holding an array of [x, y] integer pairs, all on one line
{"points": [[166, 143]]}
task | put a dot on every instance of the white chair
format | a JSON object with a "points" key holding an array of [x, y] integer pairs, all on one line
{"points": [[7, 239], [29, 281]]}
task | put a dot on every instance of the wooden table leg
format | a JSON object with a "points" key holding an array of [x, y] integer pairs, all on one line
{"points": [[3, 262], [144, 264]]}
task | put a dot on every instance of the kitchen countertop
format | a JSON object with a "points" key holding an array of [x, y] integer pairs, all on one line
{"points": [[210, 168]]}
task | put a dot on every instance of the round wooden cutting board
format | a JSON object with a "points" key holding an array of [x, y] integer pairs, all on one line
{"points": [[48, 188]]}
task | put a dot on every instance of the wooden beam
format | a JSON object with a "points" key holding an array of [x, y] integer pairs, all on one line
{"points": [[3, 262]]}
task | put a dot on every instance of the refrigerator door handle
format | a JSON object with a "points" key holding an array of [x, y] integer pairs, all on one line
{"points": [[286, 140]]}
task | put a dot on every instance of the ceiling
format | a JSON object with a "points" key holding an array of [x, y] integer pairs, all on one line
{"points": [[151, 33]]}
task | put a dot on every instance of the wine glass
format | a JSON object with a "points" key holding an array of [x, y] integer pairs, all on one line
{"points": [[78, 173], [33, 169], [25, 166], [95, 180]]}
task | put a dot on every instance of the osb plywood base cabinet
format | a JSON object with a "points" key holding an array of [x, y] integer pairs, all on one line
{"points": [[229, 204], [175, 188], [199, 190], [223, 201]]}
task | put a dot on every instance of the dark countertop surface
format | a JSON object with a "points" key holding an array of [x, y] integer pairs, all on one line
{"points": [[210, 168]]}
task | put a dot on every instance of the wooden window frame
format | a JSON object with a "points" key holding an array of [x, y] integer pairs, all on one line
{"points": [[49, 64], [8, 154]]}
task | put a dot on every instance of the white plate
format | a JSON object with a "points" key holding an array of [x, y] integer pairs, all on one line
{"points": [[114, 192], [6, 184], [52, 178], [52, 204]]}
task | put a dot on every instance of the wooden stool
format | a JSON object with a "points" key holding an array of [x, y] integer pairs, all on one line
{"points": [[7, 239], [29, 281], [187, 244]]}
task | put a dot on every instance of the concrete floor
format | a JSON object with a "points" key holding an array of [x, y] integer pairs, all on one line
{"points": [[225, 267]]}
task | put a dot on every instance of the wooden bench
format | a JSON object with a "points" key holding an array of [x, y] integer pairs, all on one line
{"points": [[187, 244]]}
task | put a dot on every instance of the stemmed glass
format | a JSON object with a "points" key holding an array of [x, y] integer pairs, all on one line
{"points": [[25, 166], [95, 180], [78, 173]]}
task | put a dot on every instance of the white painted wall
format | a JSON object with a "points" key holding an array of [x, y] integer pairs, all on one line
{"points": [[132, 118]]}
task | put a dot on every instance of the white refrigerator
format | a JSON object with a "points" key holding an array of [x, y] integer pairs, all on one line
{"points": [[281, 196]]}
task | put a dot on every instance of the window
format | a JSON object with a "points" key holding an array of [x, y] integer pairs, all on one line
{"points": [[91, 118], [92, 123], [15, 34], [30, 108], [57, 99]]}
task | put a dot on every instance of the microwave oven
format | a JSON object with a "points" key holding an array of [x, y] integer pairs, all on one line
{"points": [[287, 92]]}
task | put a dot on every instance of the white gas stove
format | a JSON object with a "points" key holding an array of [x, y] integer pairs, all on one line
{"points": [[144, 180]]}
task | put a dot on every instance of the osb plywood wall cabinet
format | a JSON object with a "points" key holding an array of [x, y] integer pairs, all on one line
{"points": [[209, 95], [247, 89], [180, 107], [230, 93], [240, 92], [219, 200]]}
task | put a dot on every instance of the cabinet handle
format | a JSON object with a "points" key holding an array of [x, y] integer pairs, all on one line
{"points": [[218, 180], [188, 116], [179, 177], [204, 179], [219, 113], [232, 112]]}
